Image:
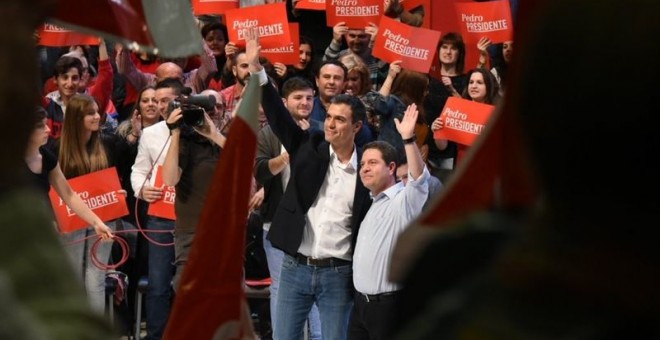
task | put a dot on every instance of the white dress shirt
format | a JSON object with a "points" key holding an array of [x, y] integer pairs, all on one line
{"points": [[152, 148], [328, 229], [389, 215]]}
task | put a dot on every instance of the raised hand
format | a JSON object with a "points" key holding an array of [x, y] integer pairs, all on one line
{"points": [[406, 127], [372, 30], [280, 69], [438, 124], [483, 45], [395, 68], [252, 49], [338, 31]]}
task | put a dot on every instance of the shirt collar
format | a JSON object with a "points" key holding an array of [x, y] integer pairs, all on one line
{"points": [[389, 192], [352, 164]]}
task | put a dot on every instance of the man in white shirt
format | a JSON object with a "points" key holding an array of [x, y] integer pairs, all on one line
{"points": [[394, 206], [152, 148], [318, 217]]}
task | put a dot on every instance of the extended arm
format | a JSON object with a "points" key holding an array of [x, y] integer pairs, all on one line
{"points": [[171, 168], [62, 187], [279, 118]]}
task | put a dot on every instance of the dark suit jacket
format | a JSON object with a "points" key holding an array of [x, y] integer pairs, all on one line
{"points": [[309, 156]]}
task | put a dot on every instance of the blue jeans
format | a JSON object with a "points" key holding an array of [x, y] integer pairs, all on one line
{"points": [[275, 258], [302, 286], [91, 276], [161, 271]]}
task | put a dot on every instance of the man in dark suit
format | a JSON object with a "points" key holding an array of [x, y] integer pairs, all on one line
{"points": [[273, 172], [318, 217]]}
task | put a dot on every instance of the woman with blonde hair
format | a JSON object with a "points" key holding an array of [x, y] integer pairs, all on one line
{"points": [[83, 149]]}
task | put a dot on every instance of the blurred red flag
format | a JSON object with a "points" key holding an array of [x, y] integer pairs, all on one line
{"points": [[165, 27], [210, 297]]}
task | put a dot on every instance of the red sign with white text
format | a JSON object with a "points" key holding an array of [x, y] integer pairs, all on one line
{"points": [[201, 7], [414, 46], [491, 19], [288, 55], [55, 36], [270, 20], [314, 5], [99, 190], [464, 120], [164, 207], [356, 14]]}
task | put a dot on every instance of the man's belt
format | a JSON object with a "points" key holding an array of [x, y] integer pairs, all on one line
{"points": [[326, 262]]}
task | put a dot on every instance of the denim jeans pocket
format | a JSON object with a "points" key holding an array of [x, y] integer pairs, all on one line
{"points": [[288, 262]]}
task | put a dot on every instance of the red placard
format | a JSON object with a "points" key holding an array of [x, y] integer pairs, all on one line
{"points": [[164, 207], [314, 5], [288, 55], [99, 190], [201, 7], [52, 35], [464, 120], [414, 46], [356, 14], [270, 20], [410, 4], [491, 19]]}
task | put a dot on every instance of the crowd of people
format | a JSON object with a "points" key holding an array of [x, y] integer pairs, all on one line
{"points": [[346, 159]]}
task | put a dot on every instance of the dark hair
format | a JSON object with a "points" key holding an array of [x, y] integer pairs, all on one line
{"points": [[65, 63], [172, 83], [492, 88], [305, 40], [332, 62], [386, 150], [206, 29], [136, 107], [411, 87], [234, 57], [295, 84], [39, 114], [358, 110], [455, 39]]}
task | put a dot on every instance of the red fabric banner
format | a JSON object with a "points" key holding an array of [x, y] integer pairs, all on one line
{"points": [[464, 120], [357, 14], [209, 300], [201, 7], [124, 19], [164, 207], [52, 35], [491, 19], [315, 5], [288, 55], [270, 20], [99, 190], [415, 47], [165, 27]]}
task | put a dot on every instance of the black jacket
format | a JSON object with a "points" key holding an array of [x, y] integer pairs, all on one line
{"points": [[309, 156]]}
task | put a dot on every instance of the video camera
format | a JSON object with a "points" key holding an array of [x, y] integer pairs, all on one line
{"points": [[192, 107]]}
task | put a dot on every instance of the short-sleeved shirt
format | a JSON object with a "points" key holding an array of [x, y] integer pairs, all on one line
{"points": [[48, 163]]}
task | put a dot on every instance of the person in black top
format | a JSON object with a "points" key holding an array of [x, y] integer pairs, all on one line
{"points": [[45, 171]]}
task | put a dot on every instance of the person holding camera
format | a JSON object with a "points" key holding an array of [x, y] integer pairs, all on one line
{"points": [[189, 166]]}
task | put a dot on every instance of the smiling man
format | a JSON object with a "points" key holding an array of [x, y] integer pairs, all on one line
{"points": [[394, 206], [317, 220], [272, 171]]}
